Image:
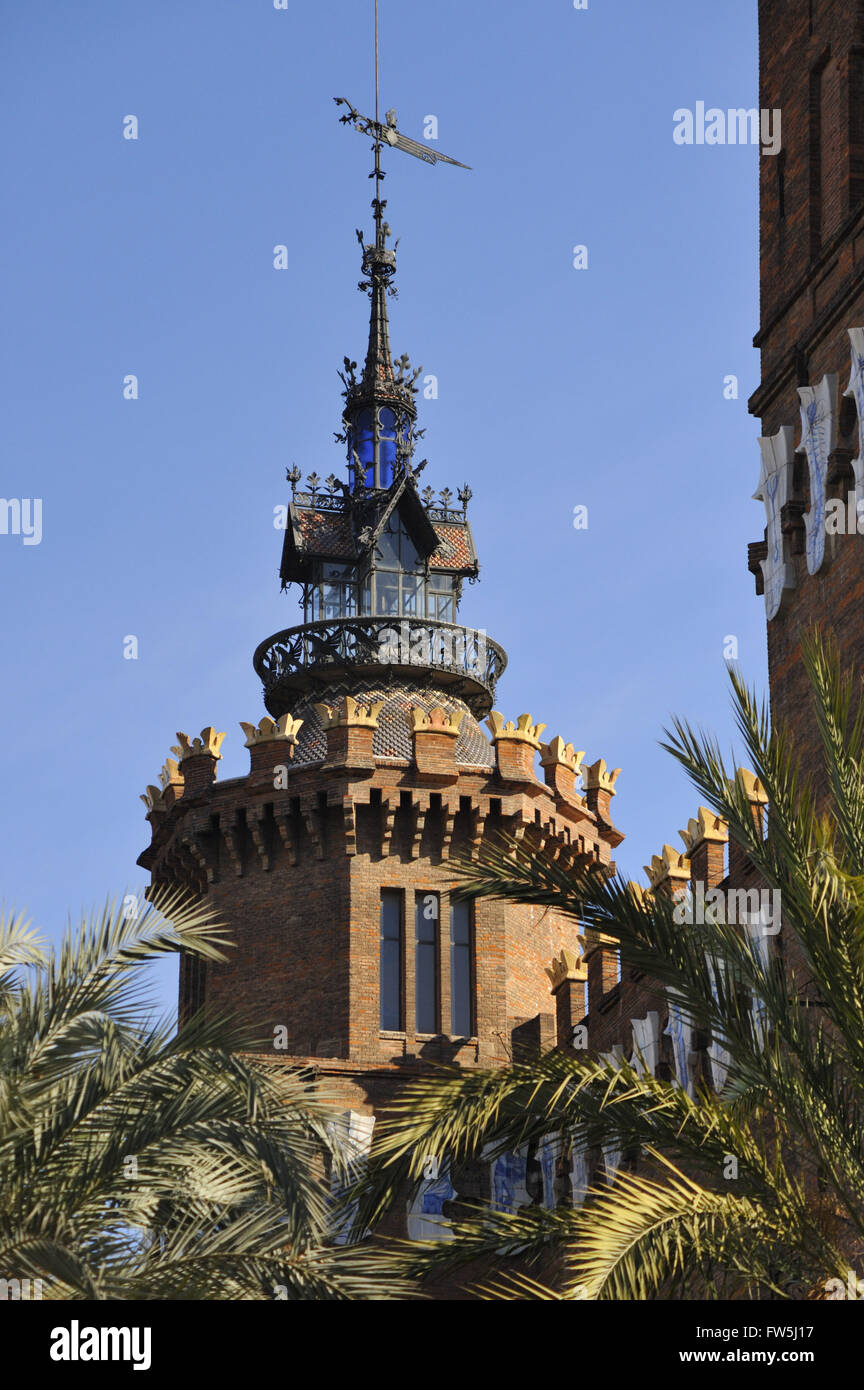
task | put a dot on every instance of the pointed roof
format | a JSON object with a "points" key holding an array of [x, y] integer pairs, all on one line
{"points": [[349, 528]]}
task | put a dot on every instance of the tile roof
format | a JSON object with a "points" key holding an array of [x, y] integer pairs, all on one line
{"points": [[329, 533], [394, 736], [454, 551], [326, 533]]}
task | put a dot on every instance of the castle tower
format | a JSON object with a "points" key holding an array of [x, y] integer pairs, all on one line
{"points": [[373, 771], [810, 563]]}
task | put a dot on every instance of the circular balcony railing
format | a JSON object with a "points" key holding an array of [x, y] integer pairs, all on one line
{"points": [[315, 655]]}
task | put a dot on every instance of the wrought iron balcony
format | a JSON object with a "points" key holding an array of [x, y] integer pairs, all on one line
{"points": [[316, 655]]}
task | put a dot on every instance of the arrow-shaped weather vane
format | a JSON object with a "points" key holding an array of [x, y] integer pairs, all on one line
{"points": [[386, 133]]}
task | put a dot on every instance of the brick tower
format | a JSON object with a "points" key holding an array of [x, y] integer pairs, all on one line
{"points": [[331, 860], [810, 564]]}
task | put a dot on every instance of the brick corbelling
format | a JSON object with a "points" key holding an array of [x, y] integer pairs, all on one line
{"points": [[575, 825], [297, 876]]}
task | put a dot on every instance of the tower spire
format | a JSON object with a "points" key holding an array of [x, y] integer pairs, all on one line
{"points": [[380, 413], [379, 268]]}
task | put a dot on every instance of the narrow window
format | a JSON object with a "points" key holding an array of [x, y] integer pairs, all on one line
{"points": [[441, 596], [336, 595], [391, 960], [816, 158], [426, 962], [461, 992], [856, 128]]}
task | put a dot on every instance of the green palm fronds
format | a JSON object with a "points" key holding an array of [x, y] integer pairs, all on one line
{"points": [[140, 1161], [757, 1191]]}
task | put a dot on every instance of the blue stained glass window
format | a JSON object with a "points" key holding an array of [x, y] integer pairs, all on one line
{"points": [[375, 439], [387, 447], [363, 443], [388, 461]]}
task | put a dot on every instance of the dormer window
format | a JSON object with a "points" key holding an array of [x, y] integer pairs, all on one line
{"points": [[335, 595], [396, 586], [441, 603]]}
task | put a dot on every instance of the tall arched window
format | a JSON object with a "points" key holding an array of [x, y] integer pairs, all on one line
{"points": [[374, 437]]}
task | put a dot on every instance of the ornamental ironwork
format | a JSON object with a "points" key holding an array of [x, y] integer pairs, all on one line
{"points": [[463, 658]]}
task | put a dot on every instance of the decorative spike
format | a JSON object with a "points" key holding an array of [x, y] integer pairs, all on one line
{"points": [[667, 865], [350, 713], [598, 777], [153, 798], [753, 788], [437, 721], [285, 729], [523, 729], [170, 775], [705, 826], [210, 742], [566, 966], [557, 752]]}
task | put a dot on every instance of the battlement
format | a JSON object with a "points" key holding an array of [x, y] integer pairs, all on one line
{"points": [[351, 801]]}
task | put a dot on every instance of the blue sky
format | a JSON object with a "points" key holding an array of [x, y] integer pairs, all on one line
{"points": [[600, 387]]}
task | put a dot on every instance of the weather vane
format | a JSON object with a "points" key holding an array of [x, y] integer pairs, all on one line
{"points": [[386, 133]]}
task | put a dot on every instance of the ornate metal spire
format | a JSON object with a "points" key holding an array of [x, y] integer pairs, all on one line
{"points": [[379, 267], [381, 566]]}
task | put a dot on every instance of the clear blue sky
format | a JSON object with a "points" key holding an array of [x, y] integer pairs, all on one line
{"points": [[557, 387]]}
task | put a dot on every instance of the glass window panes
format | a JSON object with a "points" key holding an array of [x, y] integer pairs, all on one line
{"points": [[388, 544], [336, 595], [412, 593], [398, 576], [461, 988], [441, 607], [387, 594], [426, 914], [390, 974]]}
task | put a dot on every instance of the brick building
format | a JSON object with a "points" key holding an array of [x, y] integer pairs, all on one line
{"points": [[809, 564], [811, 338], [373, 769], [381, 760]]}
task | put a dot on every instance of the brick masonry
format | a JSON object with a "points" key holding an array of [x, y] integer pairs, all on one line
{"points": [[295, 857], [811, 57]]}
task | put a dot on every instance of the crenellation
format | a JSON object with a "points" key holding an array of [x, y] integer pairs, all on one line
{"points": [[705, 841], [668, 871]]}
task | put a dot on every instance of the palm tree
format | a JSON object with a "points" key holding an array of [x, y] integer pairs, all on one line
{"points": [[140, 1161], [753, 1191]]}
